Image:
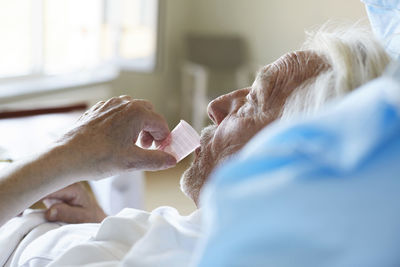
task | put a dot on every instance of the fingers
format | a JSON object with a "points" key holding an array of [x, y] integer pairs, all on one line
{"points": [[105, 105], [48, 202], [106, 137], [115, 101], [138, 112], [97, 106], [73, 204], [143, 103], [74, 194], [63, 212], [92, 109], [152, 123], [146, 140], [124, 99], [150, 160]]}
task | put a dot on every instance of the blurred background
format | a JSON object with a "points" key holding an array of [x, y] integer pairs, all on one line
{"points": [[58, 57]]}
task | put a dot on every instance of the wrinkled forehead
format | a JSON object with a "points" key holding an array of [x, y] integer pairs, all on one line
{"points": [[300, 64], [280, 78]]}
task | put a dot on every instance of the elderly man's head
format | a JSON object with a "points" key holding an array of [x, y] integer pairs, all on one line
{"points": [[330, 65]]}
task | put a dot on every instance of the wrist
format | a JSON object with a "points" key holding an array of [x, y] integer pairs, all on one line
{"points": [[67, 163]]}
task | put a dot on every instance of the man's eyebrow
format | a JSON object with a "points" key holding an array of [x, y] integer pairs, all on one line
{"points": [[261, 73], [265, 72], [261, 79], [252, 96]]}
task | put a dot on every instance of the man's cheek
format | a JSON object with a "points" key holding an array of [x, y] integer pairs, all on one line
{"points": [[220, 147]]}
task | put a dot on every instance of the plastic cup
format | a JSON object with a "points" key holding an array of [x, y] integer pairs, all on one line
{"points": [[182, 141]]}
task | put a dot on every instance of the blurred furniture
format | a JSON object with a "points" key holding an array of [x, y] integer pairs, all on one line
{"points": [[206, 54], [24, 132], [120, 191]]}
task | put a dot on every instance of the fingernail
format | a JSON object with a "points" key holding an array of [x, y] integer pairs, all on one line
{"points": [[53, 214]]}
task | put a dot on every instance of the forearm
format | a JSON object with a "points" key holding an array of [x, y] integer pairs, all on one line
{"points": [[27, 181], [101, 144]]}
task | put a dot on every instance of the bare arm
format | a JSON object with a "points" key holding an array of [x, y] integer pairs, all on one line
{"points": [[27, 181], [101, 144]]}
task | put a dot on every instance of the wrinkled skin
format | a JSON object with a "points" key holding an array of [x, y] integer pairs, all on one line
{"points": [[108, 131], [239, 115], [102, 143]]}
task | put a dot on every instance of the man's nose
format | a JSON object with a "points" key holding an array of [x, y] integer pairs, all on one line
{"points": [[220, 107]]}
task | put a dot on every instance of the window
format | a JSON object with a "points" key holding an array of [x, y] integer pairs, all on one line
{"points": [[50, 37]]}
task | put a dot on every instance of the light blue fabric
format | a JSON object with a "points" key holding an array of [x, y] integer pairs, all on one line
{"points": [[324, 191], [384, 16]]}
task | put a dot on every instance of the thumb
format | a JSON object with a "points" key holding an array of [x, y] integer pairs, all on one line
{"points": [[63, 212], [151, 160]]}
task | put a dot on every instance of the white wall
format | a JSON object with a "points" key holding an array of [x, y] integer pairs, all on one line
{"points": [[162, 86], [271, 27]]}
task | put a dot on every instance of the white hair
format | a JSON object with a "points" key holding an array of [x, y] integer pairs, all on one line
{"points": [[354, 56]]}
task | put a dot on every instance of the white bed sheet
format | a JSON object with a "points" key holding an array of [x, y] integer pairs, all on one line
{"points": [[132, 238]]}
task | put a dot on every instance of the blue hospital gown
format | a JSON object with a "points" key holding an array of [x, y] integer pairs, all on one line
{"points": [[323, 191]]}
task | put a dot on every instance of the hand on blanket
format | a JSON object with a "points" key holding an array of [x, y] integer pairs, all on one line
{"points": [[73, 204], [103, 141]]}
